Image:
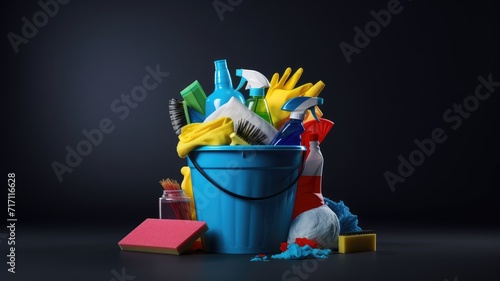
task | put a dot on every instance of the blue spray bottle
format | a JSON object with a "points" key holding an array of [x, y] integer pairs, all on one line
{"points": [[223, 88], [290, 133]]}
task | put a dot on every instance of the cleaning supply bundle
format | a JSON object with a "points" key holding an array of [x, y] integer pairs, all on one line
{"points": [[253, 179]]}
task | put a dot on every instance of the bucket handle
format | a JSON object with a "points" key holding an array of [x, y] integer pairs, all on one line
{"points": [[247, 197]]}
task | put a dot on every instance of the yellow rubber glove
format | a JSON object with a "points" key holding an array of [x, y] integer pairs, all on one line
{"points": [[215, 132], [281, 90], [187, 186]]}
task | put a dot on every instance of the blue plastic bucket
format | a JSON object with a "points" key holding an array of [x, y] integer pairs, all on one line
{"points": [[245, 194]]}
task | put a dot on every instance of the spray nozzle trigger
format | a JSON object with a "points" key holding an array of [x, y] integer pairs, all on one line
{"points": [[239, 72], [299, 105], [254, 78]]}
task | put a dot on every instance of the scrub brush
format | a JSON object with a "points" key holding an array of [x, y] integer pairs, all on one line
{"points": [[177, 115], [247, 133]]}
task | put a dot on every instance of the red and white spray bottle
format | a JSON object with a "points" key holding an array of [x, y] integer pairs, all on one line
{"points": [[311, 217], [309, 194]]}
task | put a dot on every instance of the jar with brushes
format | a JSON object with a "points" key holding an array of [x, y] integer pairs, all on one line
{"points": [[174, 204]]}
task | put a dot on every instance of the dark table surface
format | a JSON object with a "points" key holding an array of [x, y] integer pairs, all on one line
{"points": [[404, 252]]}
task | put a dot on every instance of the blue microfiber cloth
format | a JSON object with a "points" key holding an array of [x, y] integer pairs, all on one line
{"points": [[294, 251], [260, 258], [348, 222]]}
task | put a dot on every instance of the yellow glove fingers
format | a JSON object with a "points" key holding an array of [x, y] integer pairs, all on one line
{"points": [[300, 90], [283, 79], [274, 80], [315, 90], [290, 84]]}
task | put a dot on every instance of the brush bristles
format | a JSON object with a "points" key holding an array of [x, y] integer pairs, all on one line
{"points": [[177, 115], [169, 184], [249, 133], [182, 210]]}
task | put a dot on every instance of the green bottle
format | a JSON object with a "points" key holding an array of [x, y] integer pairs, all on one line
{"points": [[258, 104], [256, 82]]}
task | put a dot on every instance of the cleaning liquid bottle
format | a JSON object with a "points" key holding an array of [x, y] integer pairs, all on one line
{"points": [[290, 133], [309, 190], [223, 88], [256, 82]]}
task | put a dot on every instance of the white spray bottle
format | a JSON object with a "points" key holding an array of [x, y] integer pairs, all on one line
{"points": [[256, 82]]}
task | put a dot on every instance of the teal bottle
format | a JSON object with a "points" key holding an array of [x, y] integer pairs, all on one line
{"points": [[258, 104], [223, 91]]}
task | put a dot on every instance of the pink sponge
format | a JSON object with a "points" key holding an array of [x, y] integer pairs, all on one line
{"points": [[163, 236]]}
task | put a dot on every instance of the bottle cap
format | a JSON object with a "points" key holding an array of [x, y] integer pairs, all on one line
{"points": [[256, 92], [220, 64]]}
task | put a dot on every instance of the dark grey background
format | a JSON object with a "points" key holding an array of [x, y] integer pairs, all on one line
{"points": [[394, 91]]}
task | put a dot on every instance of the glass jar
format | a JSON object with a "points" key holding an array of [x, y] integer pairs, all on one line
{"points": [[175, 204]]}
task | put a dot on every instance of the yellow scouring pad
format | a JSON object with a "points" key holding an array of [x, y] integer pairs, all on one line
{"points": [[357, 241]]}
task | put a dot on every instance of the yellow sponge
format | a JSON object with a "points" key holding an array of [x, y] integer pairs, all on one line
{"points": [[357, 241]]}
